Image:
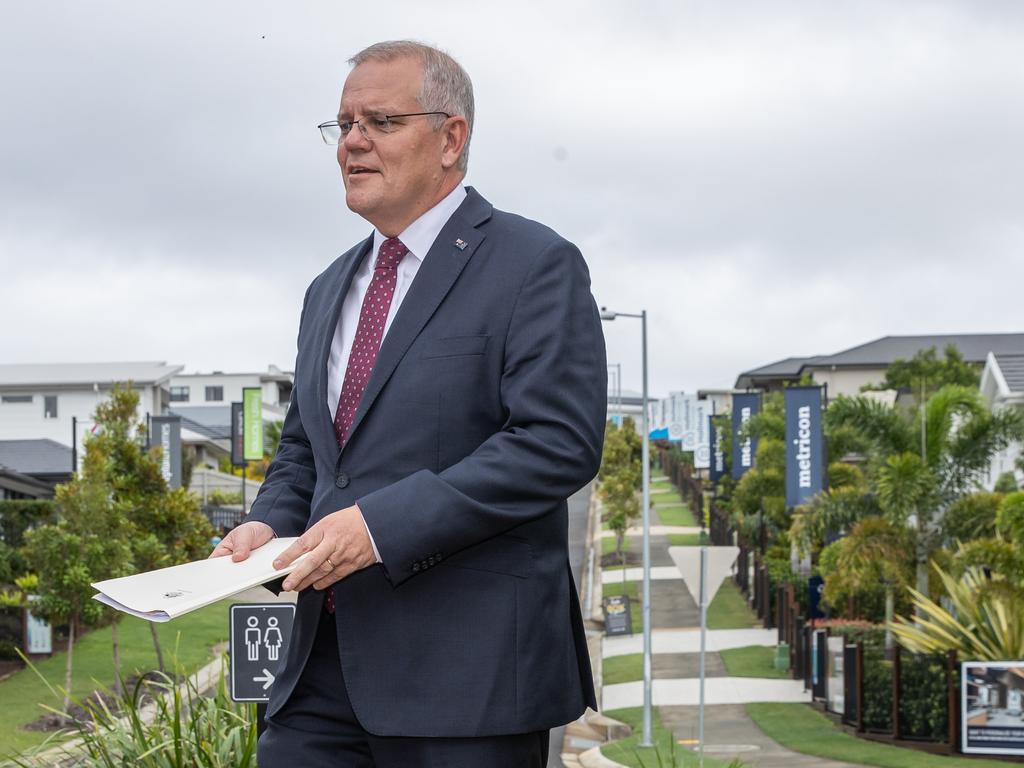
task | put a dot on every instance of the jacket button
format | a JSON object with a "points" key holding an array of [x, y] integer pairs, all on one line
{"points": [[415, 567], [423, 565], [437, 557], [341, 479]]}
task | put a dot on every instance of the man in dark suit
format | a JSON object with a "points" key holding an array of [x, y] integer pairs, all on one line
{"points": [[449, 396]]}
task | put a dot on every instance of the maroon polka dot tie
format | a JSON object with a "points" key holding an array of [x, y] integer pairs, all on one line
{"points": [[369, 332]]}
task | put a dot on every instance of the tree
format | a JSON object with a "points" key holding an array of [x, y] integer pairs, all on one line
{"points": [[927, 369], [86, 545], [620, 477], [922, 460], [166, 525], [875, 553]]}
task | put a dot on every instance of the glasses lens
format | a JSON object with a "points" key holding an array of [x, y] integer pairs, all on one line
{"points": [[331, 133]]}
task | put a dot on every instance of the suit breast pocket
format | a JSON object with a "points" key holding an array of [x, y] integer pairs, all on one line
{"points": [[454, 346]]}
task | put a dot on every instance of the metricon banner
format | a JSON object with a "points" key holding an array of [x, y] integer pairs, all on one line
{"points": [[805, 445], [744, 405], [717, 451]]}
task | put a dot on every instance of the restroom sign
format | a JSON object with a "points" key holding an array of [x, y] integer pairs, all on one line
{"points": [[259, 641]]}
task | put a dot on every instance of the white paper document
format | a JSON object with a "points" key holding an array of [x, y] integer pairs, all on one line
{"points": [[167, 593]]}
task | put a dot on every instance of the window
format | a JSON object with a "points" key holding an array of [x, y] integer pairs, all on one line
{"points": [[49, 406], [214, 394], [16, 399], [179, 394]]}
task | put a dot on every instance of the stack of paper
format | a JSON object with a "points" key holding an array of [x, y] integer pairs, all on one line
{"points": [[167, 593]]}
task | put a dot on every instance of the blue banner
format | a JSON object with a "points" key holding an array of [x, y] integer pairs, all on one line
{"points": [[744, 406], [717, 451], [805, 445]]}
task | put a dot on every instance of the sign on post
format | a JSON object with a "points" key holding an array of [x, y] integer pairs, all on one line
{"points": [[252, 409], [805, 445], [744, 406], [237, 436], [617, 617], [166, 432], [718, 466], [38, 633], [991, 707], [259, 642]]}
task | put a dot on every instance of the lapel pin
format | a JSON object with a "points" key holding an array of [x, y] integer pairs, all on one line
{"points": [[460, 244]]}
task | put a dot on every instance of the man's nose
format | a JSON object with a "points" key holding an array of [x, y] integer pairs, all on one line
{"points": [[355, 139]]}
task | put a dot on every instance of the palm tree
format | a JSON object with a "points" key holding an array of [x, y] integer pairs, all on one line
{"points": [[923, 459]]}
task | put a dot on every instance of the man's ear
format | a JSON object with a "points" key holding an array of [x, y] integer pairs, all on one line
{"points": [[455, 134]]}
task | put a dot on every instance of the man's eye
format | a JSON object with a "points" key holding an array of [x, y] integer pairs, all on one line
{"points": [[381, 123], [345, 127]]}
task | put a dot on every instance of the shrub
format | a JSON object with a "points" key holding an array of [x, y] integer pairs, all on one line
{"points": [[971, 517]]}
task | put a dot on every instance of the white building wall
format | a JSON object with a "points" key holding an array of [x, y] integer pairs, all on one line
{"points": [[846, 381], [232, 383], [26, 421]]}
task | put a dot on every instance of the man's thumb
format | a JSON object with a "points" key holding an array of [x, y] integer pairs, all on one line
{"points": [[241, 552]]}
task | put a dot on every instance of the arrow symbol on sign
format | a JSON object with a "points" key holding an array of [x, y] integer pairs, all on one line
{"points": [[266, 678]]}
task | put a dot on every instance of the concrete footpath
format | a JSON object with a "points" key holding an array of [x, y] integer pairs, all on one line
{"points": [[675, 641]]}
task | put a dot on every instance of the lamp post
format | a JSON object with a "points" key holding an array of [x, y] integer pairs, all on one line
{"points": [[608, 315]]}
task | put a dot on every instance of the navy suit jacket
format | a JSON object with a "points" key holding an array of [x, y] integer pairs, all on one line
{"points": [[484, 412]]}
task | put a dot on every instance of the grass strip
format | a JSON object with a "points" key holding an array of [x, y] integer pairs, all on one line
{"points": [[686, 540], [729, 609], [803, 729], [623, 669], [676, 516], [752, 661], [22, 693], [665, 752]]}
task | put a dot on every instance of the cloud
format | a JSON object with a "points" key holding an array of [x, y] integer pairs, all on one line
{"points": [[766, 179]]}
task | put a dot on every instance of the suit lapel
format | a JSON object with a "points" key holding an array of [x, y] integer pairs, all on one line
{"points": [[343, 282], [452, 250]]}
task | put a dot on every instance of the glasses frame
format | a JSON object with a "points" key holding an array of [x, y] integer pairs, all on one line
{"points": [[363, 129]]}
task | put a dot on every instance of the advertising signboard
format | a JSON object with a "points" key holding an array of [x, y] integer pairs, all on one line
{"points": [[718, 468], [166, 432], [252, 411], [744, 406], [702, 440], [805, 445], [617, 615], [992, 707]]}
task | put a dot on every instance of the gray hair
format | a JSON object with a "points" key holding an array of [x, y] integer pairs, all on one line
{"points": [[446, 86]]}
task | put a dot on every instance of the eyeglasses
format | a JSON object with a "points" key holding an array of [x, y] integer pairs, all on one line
{"points": [[372, 126]]}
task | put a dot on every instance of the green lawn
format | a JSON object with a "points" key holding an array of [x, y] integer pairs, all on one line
{"points": [[631, 588], [628, 753], [803, 729], [686, 540], [676, 516], [661, 486], [729, 609], [666, 497], [623, 669], [752, 661], [22, 693]]}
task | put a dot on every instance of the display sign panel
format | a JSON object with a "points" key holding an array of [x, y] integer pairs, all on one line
{"points": [[805, 445], [992, 707], [744, 406]]}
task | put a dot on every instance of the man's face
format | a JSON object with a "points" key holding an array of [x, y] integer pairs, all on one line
{"points": [[391, 180]]}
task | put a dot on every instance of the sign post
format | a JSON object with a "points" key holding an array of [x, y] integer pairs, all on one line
{"points": [[744, 406], [805, 445], [259, 643], [165, 431]]}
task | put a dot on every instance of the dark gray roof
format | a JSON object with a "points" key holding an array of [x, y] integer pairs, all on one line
{"points": [[35, 457], [973, 346], [213, 421], [881, 352], [1012, 368]]}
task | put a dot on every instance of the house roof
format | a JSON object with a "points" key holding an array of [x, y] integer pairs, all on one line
{"points": [[880, 353], [35, 457], [21, 376], [1012, 368], [210, 421]]}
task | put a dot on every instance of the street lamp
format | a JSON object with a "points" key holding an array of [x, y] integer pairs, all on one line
{"points": [[608, 315]]}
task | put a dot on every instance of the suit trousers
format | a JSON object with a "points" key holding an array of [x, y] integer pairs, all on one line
{"points": [[317, 728]]}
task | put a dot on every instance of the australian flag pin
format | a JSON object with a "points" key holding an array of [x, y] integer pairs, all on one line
{"points": [[460, 244]]}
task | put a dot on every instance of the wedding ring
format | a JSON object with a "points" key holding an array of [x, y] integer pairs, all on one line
{"points": [[330, 563]]}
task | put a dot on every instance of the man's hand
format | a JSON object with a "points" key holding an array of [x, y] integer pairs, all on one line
{"points": [[338, 545], [242, 540]]}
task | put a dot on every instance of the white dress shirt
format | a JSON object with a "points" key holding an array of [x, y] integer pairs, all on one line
{"points": [[418, 237]]}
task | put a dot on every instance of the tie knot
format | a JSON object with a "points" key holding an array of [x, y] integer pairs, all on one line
{"points": [[391, 253]]}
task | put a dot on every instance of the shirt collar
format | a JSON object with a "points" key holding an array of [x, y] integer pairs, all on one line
{"points": [[419, 236]]}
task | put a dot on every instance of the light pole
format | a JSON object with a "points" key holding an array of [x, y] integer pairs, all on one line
{"points": [[607, 314]]}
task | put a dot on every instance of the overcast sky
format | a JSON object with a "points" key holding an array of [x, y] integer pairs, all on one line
{"points": [[767, 179]]}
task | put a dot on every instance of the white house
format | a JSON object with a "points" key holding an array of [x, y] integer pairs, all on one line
{"points": [[41, 401], [1002, 384], [220, 389]]}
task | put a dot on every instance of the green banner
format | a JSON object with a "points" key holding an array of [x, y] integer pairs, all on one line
{"points": [[252, 419]]}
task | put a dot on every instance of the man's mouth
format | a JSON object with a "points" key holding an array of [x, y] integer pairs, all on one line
{"points": [[357, 170]]}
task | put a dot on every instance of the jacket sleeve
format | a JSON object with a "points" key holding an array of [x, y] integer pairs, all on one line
{"points": [[554, 389], [283, 501]]}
